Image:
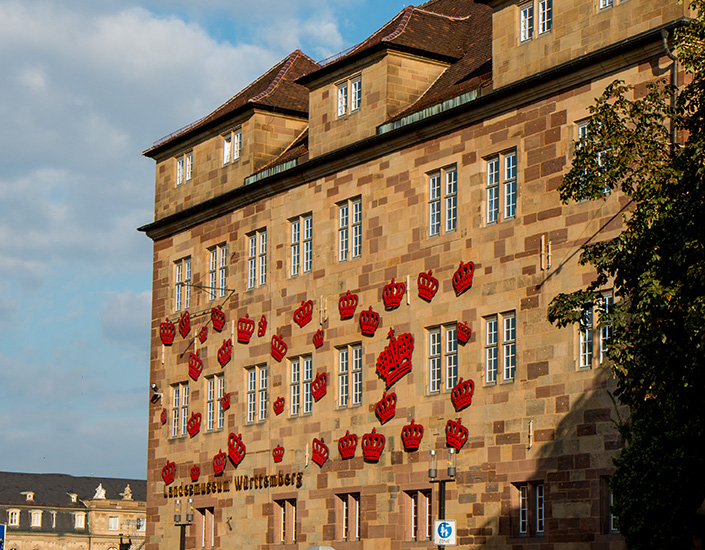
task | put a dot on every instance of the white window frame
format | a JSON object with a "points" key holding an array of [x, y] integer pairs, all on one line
{"points": [[442, 189], [13, 518], [257, 258], [501, 187], [442, 357], [113, 523], [184, 168], [232, 146], [256, 384], [35, 518], [217, 271], [420, 515], [545, 22], [215, 415], [604, 4], [182, 283], [79, 521], [350, 229], [526, 21], [301, 256], [542, 24], [286, 520], [179, 409], [500, 334], [300, 378], [348, 96], [591, 349], [349, 516], [531, 508], [350, 375], [141, 524]]}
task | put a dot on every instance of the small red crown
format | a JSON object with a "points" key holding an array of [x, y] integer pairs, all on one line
{"points": [[462, 278], [163, 416], [166, 332], [303, 313], [245, 328], [168, 472], [279, 406], [225, 401], [278, 453], [411, 435], [236, 449], [225, 352], [203, 334], [463, 332], [278, 348], [347, 445], [194, 424], [318, 338], [428, 285], [195, 366], [195, 473], [218, 318], [319, 452], [456, 434], [262, 326], [219, 462], [395, 360], [185, 324], [369, 320], [386, 407], [318, 386], [461, 396], [372, 445], [392, 294], [347, 304]]}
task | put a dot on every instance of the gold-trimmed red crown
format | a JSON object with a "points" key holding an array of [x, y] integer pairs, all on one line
{"points": [[319, 451], [194, 424], [461, 396], [428, 285], [195, 473], [372, 445], [395, 360], [392, 294], [278, 406], [185, 324], [236, 448], [163, 416], [262, 326], [411, 435], [225, 352], [195, 366], [369, 321], [217, 318], [347, 304], [302, 315], [318, 338], [347, 445], [245, 329], [463, 332], [456, 433], [225, 401], [219, 462], [167, 330], [278, 453], [203, 333], [319, 385], [386, 407], [278, 348], [462, 278], [168, 472]]}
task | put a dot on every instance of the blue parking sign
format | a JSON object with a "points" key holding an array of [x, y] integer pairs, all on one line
{"points": [[2, 536]]}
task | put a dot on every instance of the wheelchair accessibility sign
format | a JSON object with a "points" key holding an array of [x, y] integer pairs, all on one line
{"points": [[444, 532]]}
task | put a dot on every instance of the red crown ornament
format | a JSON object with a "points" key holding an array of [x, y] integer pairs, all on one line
{"points": [[462, 278], [225, 401], [195, 473], [278, 453], [318, 386], [185, 324], [347, 304], [203, 334], [167, 330], [225, 352], [278, 348], [392, 294], [245, 328], [411, 435], [428, 285], [279, 406], [194, 424], [302, 315], [168, 472], [395, 360], [262, 326], [461, 396], [386, 407], [347, 445], [456, 434], [163, 416], [218, 318], [369, 321], [195, 366], [319, 452], [318, 338], [372, 445], [463, 332], [219, 462], [236, 449]]}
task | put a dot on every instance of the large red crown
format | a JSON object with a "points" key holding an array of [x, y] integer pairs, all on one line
{"points": [[456, 434], [245, 328], [347, 304], [278, 348], [386, 407], [163, 416], [219, 462], [195, 473], [369, 321], [168, 472], [319, 452], [278, 453], [225, 401], [303, 313], [203, 334], [218, 318], [194, 424], [225, 352], [395, 360], [279, 406], [318, 386], [463, 332], [372, 445], [392, 294], [318, 338], [262, 326], [428, 285], [195, 366], [461, 396], [236, 449], [185, 324], [166, 332], [411, 435], [462, 278], [347, 445]]}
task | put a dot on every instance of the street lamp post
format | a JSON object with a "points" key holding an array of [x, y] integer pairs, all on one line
{"points": [[433, 478], [179, 523]]}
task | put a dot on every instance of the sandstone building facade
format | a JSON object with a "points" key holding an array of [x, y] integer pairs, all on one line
{"points": [[352, 265]]}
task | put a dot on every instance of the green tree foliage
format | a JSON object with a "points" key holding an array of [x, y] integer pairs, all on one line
{"points": [[656, 267]]}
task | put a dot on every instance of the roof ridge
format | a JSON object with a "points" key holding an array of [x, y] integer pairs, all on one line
{"points": [[408, 12], [450, 17], [293, 56]]}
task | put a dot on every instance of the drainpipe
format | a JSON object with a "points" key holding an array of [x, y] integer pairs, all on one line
{"points": [[674, 83]]}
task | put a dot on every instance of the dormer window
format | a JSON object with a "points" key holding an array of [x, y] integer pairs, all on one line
{"points": [[232, 146], [349, 95], [29, 496], [73, 497]]}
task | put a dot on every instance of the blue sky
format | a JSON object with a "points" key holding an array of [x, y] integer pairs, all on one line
{"points": [[86, 86]]}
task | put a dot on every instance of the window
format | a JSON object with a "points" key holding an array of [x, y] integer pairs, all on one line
{"points": [[204, 518], [526, 19], [257, 258], [215, 415], [419, 515], [301, 385], [301, 244], [35, 518], [184, 168], [586, 331], [545, 16], [182, 283], [531, 508], [79, 521], [113, 523], [500, 331], [286, 520], [349, 96], [447, 192], [501, 186], [442, 358], [232, 146], [348, 507], [349, 229], [217, 271], [256, 394], [13, 518], [350, 375], [605, 4], [583, 133], [179, 409], [141, 523]]}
